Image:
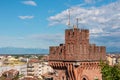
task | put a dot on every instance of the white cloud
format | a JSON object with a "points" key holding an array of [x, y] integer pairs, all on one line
{"points": [[96, 30], [104, 18], [26, 17], [32, 40], [29, 2], [48, 37], [102, 21]]}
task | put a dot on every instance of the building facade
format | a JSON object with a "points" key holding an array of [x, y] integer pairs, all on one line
{"points": [[36, 67], [33, 67], [113, 59], [77, 59], [21, 68]]}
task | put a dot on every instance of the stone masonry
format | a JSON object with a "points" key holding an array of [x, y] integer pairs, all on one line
{"points": [[77, 59]]}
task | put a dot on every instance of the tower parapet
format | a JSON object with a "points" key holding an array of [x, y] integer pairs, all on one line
{"points": [[77, 47], [76, 59]]}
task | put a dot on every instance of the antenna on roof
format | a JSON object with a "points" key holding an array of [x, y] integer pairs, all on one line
{"points": [[77, 21], [68, 23]]}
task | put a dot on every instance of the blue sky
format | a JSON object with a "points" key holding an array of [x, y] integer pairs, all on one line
{"points": [[41, 23]]}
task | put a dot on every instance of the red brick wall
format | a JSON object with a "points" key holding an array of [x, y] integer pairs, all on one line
{"points": [[77, 47]]}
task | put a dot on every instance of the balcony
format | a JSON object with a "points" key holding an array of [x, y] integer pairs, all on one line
{"points": [[30, 66], [30, 70], [30, 73]]}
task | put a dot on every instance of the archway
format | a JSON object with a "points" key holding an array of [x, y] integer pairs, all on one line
{"points": [[84, 78]]}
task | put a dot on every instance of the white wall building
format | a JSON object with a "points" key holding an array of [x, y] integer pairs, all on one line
{"points": [[44, 68], [37, 68], [21, 68]]}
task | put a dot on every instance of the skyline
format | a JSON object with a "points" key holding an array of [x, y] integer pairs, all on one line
{"points": [[40, 23]]}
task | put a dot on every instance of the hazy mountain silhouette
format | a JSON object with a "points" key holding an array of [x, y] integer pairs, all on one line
{"points": [[13, 50]]}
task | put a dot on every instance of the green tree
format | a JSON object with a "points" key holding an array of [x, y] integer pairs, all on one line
{"points": [[40, 57], [110, 72]]}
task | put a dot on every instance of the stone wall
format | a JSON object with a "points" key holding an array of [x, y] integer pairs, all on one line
{"points": [[77, 47], [77, 59]]}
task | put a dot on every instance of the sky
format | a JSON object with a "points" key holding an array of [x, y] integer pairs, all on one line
{"points": [[41, 23]]}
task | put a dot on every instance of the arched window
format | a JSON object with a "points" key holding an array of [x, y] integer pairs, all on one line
{"points": [[63, 78], [84, 79]]}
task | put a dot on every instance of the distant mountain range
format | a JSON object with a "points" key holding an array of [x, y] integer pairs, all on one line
{"points": [[13, 50]]}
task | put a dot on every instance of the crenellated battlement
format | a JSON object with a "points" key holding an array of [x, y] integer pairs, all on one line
{"points": [[77, 47], [77, 58]]}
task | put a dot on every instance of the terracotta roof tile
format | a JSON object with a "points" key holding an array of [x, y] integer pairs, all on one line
{"points": [[33, 61]]}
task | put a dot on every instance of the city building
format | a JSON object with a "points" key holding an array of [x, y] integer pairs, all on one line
{"points": [[21, 68], [44, 68], [77, 59], [30, 78], [113, 59], [9, 63], [10, 75], [36, 67], [33, 67]]}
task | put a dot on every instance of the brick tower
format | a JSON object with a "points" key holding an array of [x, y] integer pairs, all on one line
{"points": [[77, 59]]}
